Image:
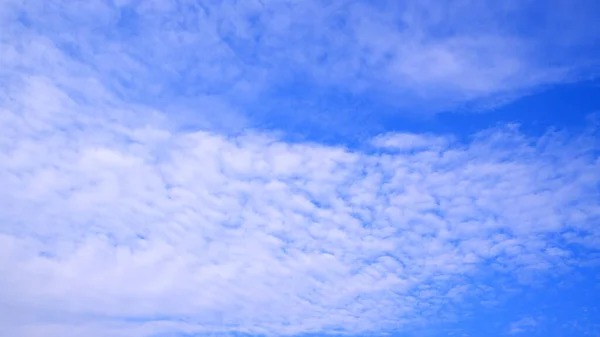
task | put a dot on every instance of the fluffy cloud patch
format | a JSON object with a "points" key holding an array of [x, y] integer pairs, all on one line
{"points": [[121, 227]]}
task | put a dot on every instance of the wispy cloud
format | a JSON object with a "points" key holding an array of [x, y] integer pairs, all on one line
{"points": [[410, 141], [526, 324], [413, 53]]}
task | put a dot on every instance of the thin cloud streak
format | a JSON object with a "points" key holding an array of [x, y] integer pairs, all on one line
{"points": [[415, 54]]}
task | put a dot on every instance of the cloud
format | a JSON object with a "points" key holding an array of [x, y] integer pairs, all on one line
{"points": [[523, 325], [415, 54], [409, 141], [116, 220], [119, 226]]}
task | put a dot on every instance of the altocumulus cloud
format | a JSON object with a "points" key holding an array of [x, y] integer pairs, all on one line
{"points": [[116, 222], [114, 227]]}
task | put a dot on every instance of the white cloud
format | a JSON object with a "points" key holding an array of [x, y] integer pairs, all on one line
{"points": [[525, 324], [113, 221], [410, 142], [108, 223], [421, 55]]}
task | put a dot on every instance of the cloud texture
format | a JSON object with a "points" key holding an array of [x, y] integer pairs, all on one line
{"points": [[420, 54], [106, 222], [121, 215]]}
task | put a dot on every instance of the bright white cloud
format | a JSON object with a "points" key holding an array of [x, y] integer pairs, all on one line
{"points": [[107, 223]]}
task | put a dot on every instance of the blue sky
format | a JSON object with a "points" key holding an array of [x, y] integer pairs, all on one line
{"points": [[299, 168]]}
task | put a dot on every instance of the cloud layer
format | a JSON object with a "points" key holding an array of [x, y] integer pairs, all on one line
{"points": [[130, 228], [127, 211], [416, 54]]}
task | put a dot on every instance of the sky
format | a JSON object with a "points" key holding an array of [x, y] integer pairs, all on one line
{"points": [[299, 168]]}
